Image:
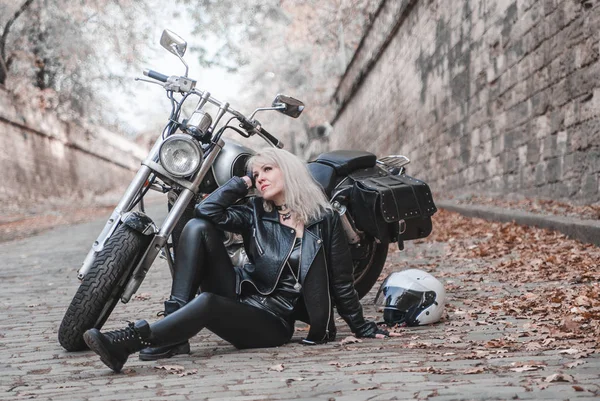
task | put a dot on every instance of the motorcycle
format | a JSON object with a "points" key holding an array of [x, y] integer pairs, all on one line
{"points": [[378, 203]]}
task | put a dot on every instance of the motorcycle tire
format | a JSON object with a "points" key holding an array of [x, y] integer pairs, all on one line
{"points": [[102, 286], [368, 265]]}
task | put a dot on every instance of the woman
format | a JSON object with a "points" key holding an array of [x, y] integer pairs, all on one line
{"points": [[300, 267]]}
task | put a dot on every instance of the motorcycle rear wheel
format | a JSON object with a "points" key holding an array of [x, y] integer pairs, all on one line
{"points": [[369, 260], [102, 286]]}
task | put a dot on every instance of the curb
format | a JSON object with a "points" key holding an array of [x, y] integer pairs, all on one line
{"points": [[587, 231]]}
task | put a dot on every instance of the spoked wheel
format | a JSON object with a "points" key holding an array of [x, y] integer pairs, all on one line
{"points": [[102, 286], [368, 259]]}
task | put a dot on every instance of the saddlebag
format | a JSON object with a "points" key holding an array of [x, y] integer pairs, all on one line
{"points": [[378, 201]]}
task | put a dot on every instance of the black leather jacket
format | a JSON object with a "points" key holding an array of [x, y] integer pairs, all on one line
{"points": [[325, 268]]}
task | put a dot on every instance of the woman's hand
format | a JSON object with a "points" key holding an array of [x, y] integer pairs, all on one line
{"points": [[249, 180], [371, 330]]}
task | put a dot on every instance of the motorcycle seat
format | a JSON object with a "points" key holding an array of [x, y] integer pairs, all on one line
{"points": [[324, 175], [346, 161]]}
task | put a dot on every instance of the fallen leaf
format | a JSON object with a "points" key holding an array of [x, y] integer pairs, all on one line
{"points": [[573, 364], [171, 368], [188, 373], [578, 388], [350, 340], [570, 351], [367, 388], [527, 368], [479, 369], [533, 346], [558, 377], [277, 368]]}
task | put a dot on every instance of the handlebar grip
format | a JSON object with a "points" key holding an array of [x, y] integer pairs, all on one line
{"points": [[156, 75], [271, 138]]}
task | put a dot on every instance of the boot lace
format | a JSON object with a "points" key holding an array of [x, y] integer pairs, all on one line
{"points": [[129, 333]]}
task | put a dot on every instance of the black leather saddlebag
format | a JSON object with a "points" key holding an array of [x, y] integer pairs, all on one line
{"points": [[379, 201]]}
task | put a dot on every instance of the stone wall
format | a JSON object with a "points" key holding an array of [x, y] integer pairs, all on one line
{"points": [[44, 161], [484, 96]]}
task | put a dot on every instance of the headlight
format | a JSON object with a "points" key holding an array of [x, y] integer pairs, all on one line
{"points": [[180, 155]]}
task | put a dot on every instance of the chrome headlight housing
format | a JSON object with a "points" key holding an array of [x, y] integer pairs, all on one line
{"points": [[180, 155]]}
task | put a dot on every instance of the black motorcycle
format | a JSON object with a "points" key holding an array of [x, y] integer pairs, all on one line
{"points": [[378, 203]]}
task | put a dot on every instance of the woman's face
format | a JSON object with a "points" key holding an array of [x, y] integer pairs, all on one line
{"points": [[269, 182]]}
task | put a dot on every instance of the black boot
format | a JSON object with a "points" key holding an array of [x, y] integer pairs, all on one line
{"points": [[167, 351], [114, 347]]}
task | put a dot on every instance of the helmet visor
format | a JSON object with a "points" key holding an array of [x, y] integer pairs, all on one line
{"points": [[399, 298]]}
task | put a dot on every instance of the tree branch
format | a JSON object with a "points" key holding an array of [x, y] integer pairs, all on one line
{"points": [[7, 27]]}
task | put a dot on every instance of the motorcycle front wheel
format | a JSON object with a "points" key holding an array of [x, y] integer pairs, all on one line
{"points": [[368, 259], [102, 286]]}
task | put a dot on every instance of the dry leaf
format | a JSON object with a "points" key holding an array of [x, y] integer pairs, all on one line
{"points": [[367, 388], [573, 364], [558, 377], [479, 369], [350, 340], [570, 351], [171, 368], [144, 296], [578, 388], [188, 373], [277, 368], [533, 346], [527, 368]]}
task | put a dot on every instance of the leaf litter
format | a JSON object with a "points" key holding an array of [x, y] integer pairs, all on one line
{"points": [[540, 285]]}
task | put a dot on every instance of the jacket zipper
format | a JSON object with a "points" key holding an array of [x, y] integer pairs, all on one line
{"points": [[328, 293], [278, 275], [256, 242]]}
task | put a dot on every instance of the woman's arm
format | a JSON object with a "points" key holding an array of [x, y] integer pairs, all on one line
{"points": [[342, 282], [219, 207]]}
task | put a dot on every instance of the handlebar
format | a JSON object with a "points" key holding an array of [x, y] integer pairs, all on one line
{"points": [[156, 75], [245, 123], [271, 138]]}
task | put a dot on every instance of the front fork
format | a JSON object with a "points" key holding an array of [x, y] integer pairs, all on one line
{"points": [[160, 239]]}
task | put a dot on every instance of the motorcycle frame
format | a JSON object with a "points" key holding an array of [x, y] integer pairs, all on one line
{"points": [[189, 187]]}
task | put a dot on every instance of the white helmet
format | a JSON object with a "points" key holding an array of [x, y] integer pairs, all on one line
{"points": [[411, 298]]}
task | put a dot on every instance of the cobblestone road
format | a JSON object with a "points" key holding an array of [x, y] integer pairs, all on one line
{"points": [[447, 361]]}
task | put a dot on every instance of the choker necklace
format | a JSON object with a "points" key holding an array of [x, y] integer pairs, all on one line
{"points": [[286, 216]]}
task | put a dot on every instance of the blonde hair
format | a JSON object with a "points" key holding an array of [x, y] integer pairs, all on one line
{"points": [[303, 195]]}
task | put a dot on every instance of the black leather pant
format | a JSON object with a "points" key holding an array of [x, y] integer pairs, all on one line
{"points": [[202, 262]]}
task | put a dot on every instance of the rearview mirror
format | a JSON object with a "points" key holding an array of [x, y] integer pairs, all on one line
{"points": [[173, 43], [293, 107]]}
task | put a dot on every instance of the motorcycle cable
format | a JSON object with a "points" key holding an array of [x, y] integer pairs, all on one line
{"points": [[143, 192], [216, 137]]}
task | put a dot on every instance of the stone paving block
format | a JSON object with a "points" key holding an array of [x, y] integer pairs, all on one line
{"points": [[34, 365]]}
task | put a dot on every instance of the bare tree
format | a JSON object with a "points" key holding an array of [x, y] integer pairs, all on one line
{"points": [[61, 53], [297, 47]]}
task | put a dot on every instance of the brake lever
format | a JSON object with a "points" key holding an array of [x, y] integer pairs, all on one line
{"points": [[149, 81]]}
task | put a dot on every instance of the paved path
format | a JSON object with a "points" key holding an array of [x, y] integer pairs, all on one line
{"points": [[449, 361]]}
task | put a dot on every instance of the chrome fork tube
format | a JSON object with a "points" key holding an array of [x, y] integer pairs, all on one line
{"points": [[123, 206]]}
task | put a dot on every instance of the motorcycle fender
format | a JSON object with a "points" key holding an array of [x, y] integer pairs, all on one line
{"points": [[140, 222]]}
